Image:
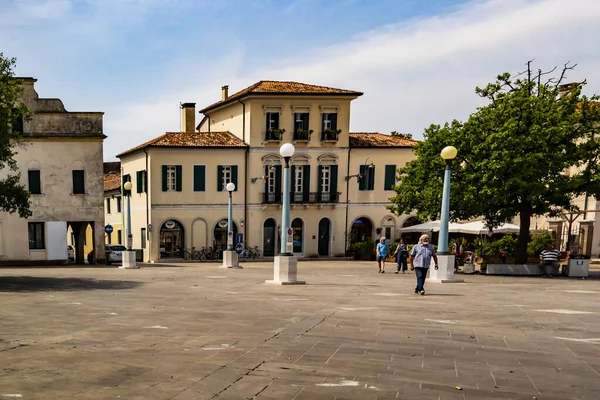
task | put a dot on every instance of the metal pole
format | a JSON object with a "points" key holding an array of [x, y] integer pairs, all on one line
{"points": [[128, 222], [443, 238], [229, 223], [285, 212]]}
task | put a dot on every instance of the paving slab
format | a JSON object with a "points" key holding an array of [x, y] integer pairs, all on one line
{"points": [[195, 331]]}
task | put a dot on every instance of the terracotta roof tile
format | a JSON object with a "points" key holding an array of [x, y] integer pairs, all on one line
{"points": [[283, 88], [112, 181], [376, 139], [191, 139]]}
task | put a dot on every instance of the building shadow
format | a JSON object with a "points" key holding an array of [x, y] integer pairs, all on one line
{"points": [[52, 284]]}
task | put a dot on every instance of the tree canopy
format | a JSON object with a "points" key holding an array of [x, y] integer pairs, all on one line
{"points": [[530, 151], [14, 197]]}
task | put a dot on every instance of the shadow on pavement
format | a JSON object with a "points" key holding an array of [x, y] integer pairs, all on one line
{"points": [[41, 284]]}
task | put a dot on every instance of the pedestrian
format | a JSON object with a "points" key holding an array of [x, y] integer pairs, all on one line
{"points": [[382, 251], [549, 264], [401, 255], [420, 260]]}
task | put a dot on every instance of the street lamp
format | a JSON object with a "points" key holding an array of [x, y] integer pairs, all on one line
{"points": [[128, 257], [285, 266], [230, 257], [357, 176], [444, 273]]}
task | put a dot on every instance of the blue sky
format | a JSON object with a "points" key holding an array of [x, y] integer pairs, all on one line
{"points": [[417, 62]]}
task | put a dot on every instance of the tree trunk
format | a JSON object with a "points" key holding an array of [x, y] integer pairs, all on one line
{"points": [[521, 254]]}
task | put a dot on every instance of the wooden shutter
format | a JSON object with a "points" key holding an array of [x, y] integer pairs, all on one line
{"points": [[220, 178], [199, 178], [292, 180], [371, 178], [320, 182], [139, 183], [266, 180], [78, 181], [390, 177], [178, 178], [306, 181], [278, 182], [275, 116], [305, 121], [362, 182], [165, 187], [333, 181], [35, 185], [322, 123], [234, 176], [333, 119]]}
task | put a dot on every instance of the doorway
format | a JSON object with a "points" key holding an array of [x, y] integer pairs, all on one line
{"points": [[171, 239], [362, 230], [298, 236], [269, 239], [220, 234], [324, 235]]}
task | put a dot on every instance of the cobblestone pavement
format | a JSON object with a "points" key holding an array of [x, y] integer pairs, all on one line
{"points": [[201, 332]]}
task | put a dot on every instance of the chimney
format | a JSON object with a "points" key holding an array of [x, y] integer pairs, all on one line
{"points": [[224, 92], [188, 117]]}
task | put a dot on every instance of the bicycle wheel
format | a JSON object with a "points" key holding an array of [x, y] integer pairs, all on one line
{"points": [[196, 255], [186, 255], [203, 256]]}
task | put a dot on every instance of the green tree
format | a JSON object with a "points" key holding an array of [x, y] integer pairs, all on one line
{"points": [[531, 150], [404, 135], [14, 197]]}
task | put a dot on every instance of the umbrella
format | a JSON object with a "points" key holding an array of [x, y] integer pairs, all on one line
{"points": [[431, 226], [479, 228]]}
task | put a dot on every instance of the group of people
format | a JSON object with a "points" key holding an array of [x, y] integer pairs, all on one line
{"points": [[419, 259]]}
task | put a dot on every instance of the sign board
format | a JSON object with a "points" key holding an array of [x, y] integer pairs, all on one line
{"points": [[239, 238], [108, 229], [230, 238], [239, 248], [129, 241], [289, 241]]}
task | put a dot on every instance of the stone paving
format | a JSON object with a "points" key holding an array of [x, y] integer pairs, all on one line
{"points": [[200, 332]]}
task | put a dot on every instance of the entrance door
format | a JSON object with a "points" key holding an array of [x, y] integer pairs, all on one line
{"points": [[269, 242], [171, 240], [298, 236], [324, 229]]}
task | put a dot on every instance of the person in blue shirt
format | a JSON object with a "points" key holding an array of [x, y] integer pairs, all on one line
{"points": [[382, 252]]}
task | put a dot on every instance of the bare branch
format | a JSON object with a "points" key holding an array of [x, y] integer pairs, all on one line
{"points": [[562, 75]]}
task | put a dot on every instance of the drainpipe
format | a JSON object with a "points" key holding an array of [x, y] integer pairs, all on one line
{"points": [[148, 233], [347, 200], [246, 162]]}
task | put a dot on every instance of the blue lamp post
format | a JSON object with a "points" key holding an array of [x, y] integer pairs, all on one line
{"points": [[286, 151], [128, 186], [448, 153], [230, 188]]}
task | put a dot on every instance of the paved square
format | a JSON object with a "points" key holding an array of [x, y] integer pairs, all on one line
{"points": [[201, 332]]}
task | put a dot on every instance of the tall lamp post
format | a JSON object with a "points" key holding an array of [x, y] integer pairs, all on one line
{"points": [[230, 256], [357, 176], [285, 266], [128, 257], [445, 272]]}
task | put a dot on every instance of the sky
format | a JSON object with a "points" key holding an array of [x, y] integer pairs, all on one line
{"points": [[417, 62]]}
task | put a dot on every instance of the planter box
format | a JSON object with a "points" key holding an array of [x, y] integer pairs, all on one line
{"points": [[514, 269]]}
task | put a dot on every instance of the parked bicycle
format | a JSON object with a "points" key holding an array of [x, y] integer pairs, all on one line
{"points": [[191, 254]]}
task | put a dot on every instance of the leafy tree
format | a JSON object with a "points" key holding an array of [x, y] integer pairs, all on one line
{"points": [[531, 150], [14, 197], [404, 135]]}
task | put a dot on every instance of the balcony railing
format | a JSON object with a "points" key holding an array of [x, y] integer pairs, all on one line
{"points": [[302, 198], [302, 135], [274, 135], [330, 135]]}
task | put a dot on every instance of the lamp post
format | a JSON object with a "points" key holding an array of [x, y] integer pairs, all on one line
{"points": [[357, 176], [445, 272], [128, 257], [230, 256], [285, 267]]}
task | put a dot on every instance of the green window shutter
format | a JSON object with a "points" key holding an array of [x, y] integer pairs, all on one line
{"points": [[333, 119], [278, 182], [178, 178], [371, 178], [333, 177], [275, 117], [199, 178], [145, 181], [362, 182], [78, 181], [320, 182], [139, 184], [165, 187], [292, 179], [267, 180], [35, 185], [306, 181], [219, 178], [234, 176], [322, 123], [143, 237], [390, 177]]}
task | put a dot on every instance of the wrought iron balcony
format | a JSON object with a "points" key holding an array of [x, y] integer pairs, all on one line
{"points": [[302, 198], [330, 135], [302, 135], [274, 135]]}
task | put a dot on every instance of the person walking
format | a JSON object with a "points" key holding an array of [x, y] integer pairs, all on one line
{"points": [[401, 255], [420, 260], [382, 251]]}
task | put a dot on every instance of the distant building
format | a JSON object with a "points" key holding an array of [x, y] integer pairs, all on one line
{"points": [[60, 161]]}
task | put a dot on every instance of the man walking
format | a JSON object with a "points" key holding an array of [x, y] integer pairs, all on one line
{"points": [[382, 250], [549, 261], [420, 259]]}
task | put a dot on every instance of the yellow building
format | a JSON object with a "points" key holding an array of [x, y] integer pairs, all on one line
{"points": [[341, 181], [60, 161]]}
